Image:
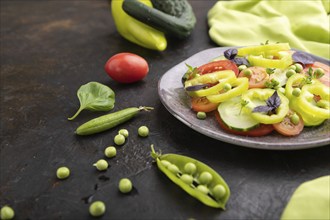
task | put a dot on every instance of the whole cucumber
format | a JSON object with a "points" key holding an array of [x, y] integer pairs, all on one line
{"points": [[109, 121]]}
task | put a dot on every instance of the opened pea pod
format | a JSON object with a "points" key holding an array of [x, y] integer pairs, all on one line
{"points": [[196, 178]]}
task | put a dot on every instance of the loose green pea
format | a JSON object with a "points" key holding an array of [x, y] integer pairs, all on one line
{"points": [[295, 119], [247, 72], [299, 67], [97, 208], [201, 115], [110, 152], [203, 189], [143, 131], [101, 165], [124, 132], [242, 67], [165, 163], [119, 139], [296, 92], [7, 212], [125, 185], [189, 168], [63, 173], [205, 178], [290, 73], [173, 168], [219, 191], [187, 178]]}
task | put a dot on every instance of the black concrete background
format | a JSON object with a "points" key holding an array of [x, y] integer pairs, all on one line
{"points": [[48, 50]]}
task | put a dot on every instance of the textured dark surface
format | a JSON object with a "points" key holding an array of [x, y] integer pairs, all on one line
{"points": [[48, 50]]}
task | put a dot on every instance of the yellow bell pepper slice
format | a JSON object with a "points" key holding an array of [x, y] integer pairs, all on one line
{"points": [[219, 78], [239, 86]]}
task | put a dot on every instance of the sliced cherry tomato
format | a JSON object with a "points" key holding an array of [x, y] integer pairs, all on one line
{"points": [[262, 130], [258, 77], [217, 66], [287, 128], [203, 105], [325, 79], [126, 67]]}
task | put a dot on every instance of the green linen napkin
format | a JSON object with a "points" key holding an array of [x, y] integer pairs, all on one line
{"points": [[304, 24], [311, 200]]}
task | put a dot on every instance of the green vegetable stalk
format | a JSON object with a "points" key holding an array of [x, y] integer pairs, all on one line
{"points": [[95, 96], [136, 31]]}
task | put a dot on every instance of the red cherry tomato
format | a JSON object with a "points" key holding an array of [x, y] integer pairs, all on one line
{"points": [[126, 67], [217, 66], [258, 78], [262, 130], [287, 128], [325, 79], [203, 105]]}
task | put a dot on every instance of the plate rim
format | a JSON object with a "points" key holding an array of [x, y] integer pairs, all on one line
{"points": [[226, 137]]}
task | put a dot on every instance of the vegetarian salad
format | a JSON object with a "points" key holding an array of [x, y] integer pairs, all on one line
{"points": [[258, 89]]}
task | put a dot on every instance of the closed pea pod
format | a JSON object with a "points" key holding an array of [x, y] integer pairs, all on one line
{"points": [[109, 121], [205, 183]]}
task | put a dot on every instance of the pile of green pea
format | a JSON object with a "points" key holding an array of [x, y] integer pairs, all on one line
{"points": [[98, 208]]}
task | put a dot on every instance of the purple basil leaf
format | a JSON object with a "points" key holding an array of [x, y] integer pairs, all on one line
{"points": [[274, 101], [263, 108], [241, 61], [230, 53], [303, 58], [196, 87]]}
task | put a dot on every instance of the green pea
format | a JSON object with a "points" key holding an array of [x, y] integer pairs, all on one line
{"points": [[143, 131], [101, 165], [119, 139], [123, 132], [318, 73], [247, 72], [201, 115], [110, 152], [242, 67], [203, 189], [290, 73], [292, 67], [296, 92], [63, 173], [205, 177], [97, 208], [7, 212], [173, 168], [299, 67], [165, 163], [125, 185], [227, 87], [190, 168], [219, 191], [187, 178], [295, 119]]}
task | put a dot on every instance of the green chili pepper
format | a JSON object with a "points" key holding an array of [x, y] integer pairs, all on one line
{"points": [[136, 31], [207, 185]]}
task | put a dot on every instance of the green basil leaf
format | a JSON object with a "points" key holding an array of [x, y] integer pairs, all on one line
{"points": [[95, 96]]}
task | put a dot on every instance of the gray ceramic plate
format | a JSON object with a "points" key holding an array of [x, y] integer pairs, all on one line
{"points": [[177, 103]]}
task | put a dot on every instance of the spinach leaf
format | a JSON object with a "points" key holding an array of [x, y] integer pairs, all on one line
{"points": [[95, 96]]}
